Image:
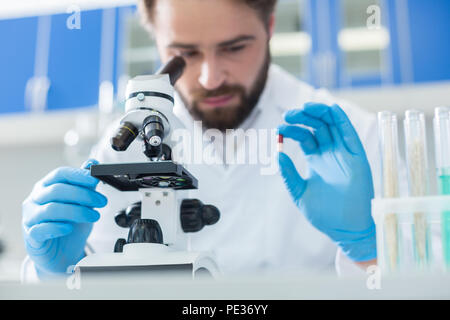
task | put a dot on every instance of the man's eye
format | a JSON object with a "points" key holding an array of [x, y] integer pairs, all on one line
{"points": [[189, 54], [234, 48]]}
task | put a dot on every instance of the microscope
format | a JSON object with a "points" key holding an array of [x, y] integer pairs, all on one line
{"points": [[160, 221]]}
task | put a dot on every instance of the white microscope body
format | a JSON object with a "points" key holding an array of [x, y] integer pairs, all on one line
{"points": [[156, 244]]}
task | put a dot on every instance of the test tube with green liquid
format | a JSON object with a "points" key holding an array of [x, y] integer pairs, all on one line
{"points": [[442, 143], [417, 164], [388, 134]]}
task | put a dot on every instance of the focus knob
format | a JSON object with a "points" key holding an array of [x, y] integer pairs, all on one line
{"points": [[210, 214], [121, 219], [118, 247], [133, 212], [125, 218], [145, 231], [195, 215]]}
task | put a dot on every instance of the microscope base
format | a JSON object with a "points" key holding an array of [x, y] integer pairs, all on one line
{"points": [[147, 261]]}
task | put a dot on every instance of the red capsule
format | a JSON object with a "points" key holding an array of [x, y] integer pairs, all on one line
{"points": [[280, 143]]}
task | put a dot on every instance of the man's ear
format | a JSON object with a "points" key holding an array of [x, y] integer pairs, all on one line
{"points": [[271, 26]]}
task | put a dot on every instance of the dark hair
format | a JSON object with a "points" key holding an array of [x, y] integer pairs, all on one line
{"points": [[265, 8]]}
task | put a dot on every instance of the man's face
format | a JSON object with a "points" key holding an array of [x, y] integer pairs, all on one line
{"points": [[225, 45]]}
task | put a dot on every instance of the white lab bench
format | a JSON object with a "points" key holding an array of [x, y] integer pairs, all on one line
{"points": [[288, 288]]}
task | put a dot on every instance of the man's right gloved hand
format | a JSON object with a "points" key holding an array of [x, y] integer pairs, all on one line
{"points": [[57, 218]]}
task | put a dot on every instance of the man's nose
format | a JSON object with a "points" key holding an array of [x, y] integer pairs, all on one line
{"points": [[212, 76]]}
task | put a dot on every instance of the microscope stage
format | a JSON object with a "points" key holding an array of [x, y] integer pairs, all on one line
{"points": [[134, 176]]}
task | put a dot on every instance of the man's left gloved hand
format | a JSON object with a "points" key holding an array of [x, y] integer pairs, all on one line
{"points": [[336, 197]]}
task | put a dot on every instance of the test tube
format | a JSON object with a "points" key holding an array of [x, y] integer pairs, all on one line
{"points": [[280, 143], [416, 159], [442, 146], [388, 133]]}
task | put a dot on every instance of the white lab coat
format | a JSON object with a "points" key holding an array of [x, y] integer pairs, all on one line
{"points": [[260, 229]]}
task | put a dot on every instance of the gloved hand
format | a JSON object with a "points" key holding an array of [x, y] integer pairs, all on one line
{"points": [[57, 218], [336, 197]]}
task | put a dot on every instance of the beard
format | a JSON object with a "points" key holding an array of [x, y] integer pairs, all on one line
{"points": [[230, 117]]}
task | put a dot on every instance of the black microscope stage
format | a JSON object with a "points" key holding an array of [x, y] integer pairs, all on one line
{"points": [[134, 176]]}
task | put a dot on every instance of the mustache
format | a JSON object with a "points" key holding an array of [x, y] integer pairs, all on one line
{"points": [[224, 90]]}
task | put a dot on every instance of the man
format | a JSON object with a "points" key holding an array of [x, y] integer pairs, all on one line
{"points": [[269, 222]]}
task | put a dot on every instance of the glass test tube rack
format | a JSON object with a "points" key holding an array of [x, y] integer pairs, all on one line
{"points": [[413, 232], [404, 209]]}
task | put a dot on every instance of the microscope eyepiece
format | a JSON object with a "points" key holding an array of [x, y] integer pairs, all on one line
{"points": [[124, 136], [174, 68]]}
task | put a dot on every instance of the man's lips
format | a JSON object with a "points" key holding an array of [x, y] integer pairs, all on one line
{"points": [[217, 101]]}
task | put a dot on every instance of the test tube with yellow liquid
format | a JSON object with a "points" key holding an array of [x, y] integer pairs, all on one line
{"points": [[417, 164], [388, 133]]}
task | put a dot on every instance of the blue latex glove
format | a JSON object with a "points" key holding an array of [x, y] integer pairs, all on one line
{"points": [[336, 197], [57, 218]]}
